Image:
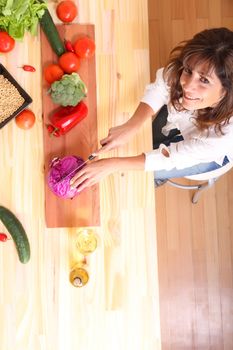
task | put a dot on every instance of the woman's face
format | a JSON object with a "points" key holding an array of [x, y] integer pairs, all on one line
{"points": [[201, 87]]}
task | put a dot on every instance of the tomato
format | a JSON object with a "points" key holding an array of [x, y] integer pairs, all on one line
{"points": [[26, 119], [84, 47], [66, 11], [52, 73], [7, 43], [69, 62]]}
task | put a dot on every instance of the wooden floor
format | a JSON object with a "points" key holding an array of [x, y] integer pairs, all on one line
{"points": [[195, 246], [195, 242]]}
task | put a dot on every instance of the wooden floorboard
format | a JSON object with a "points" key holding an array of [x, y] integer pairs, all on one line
{"points": [[196, 267]]}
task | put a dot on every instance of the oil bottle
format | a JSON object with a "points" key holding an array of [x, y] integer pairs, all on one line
{"points": [[79, 275]]}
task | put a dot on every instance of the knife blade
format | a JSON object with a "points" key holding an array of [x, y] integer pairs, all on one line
{"points": [[91, 157]]}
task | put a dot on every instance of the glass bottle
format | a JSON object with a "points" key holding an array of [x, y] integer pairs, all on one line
{"points": [[86, 241]]}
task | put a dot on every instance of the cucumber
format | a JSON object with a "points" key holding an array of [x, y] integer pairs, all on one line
{"points": [[17, 233], [51, 33]]}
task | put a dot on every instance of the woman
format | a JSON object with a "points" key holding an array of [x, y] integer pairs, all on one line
{"points": [[193, 132]]}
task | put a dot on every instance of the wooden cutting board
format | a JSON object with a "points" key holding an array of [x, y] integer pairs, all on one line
{"points": [[83, 210]]}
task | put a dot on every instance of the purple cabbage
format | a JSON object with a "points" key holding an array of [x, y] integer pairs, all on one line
{"points": [[64, 168]]}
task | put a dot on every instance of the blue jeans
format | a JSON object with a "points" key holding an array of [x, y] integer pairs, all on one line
{"points": [[175, 136], [193, 170]]}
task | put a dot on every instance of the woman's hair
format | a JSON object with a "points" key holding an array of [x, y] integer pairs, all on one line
{"points": [[215, 48]]}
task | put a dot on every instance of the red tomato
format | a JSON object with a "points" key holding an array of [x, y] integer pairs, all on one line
{"points": [[69, 62], [84, 47], [52, 73], [66, 11], [26, 119], [7, 43]]}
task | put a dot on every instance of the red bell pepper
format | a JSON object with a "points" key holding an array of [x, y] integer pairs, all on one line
{"points": [[66, 118]]}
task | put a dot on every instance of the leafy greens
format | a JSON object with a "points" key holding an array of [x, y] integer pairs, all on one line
{"points": [[20, 16]]}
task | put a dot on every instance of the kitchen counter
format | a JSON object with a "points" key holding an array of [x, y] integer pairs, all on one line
{"points": [[119, 307]]}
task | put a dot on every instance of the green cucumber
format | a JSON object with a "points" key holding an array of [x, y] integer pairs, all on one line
{"points": [[17, 232], [51, 33]]}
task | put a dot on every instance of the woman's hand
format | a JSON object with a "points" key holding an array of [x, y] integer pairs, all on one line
{"points": [[117, 137], [120, 135], [97, 170], [92, 173]]}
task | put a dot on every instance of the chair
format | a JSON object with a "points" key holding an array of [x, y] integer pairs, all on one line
{"points": [[210, 177]]}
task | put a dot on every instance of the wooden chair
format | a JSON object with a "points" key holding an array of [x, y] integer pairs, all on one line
{"points": [[210, 178]]}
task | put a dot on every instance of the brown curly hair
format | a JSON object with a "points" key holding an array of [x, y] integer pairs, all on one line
{"points": [[214, 47]]}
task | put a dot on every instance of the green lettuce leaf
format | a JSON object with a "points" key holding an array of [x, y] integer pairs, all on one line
{"points": [[20, 16]]}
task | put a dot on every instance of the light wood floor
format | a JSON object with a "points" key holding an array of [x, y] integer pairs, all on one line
{"points": [[195, 246], [195, 242]]}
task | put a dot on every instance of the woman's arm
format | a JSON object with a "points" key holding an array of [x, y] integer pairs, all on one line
{"points": [[155, 96], [120, 135], [191, 151], [95, 171], [142, 113]]}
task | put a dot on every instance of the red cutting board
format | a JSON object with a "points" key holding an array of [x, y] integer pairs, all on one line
{"points": [[83, 210]]}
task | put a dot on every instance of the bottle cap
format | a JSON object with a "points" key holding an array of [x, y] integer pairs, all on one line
{"points": [[77, 282]]}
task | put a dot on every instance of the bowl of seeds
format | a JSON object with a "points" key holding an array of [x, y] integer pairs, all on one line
{"points": [[13, 98]]}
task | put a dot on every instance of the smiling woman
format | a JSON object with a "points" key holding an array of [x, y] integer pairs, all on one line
{"points": [[193, 103], [200, 89]]}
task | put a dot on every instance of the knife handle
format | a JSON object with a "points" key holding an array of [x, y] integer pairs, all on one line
{"points": [[93, 155]]}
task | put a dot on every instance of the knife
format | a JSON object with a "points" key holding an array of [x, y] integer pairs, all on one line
{"points": [[91, 157]]}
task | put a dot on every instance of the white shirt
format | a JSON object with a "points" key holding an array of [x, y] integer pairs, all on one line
{"points": [[197, 146]]}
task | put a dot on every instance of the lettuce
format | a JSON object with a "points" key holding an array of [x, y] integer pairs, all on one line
{"points": [[20, 16]]}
